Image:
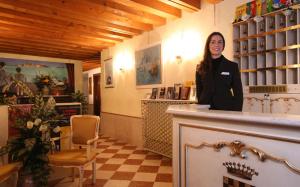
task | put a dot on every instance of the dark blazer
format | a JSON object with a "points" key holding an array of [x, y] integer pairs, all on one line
{"points": [[215, 88]]}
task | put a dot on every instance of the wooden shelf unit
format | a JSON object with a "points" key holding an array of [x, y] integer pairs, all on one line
{"points": [[268, 51]]}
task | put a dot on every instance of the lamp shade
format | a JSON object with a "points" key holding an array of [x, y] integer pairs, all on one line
{"points": [[214, 1]]}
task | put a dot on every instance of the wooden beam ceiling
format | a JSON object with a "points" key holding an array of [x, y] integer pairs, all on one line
{"points": [[80, 29]]}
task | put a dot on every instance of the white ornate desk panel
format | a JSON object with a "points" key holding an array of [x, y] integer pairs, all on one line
{"points": [[202, 146]]}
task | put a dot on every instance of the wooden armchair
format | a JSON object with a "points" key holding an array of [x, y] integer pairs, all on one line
{"points": [[84, 133], [9, 170]]}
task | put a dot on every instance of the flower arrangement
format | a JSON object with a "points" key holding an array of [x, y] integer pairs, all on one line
{"points": [[42, 80], [32, 145]]}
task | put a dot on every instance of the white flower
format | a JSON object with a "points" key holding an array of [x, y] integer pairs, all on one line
{"points": [[29, 124], [37, 121], [57, 129], [43, 128]]}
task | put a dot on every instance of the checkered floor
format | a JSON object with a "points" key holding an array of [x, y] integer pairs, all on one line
{"points": [[120, 165]]}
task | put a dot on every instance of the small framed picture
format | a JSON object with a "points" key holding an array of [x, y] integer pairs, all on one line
{"points": [[193, 93], [162, 92], [177, 89], [185, 93], [170, 93], [154, 93]]}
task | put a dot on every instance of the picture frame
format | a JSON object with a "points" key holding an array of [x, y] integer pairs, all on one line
{"points": [[185, 93], [90, 85], [108, 73], [177, 90], [162, 92], [148, 67], [170, 93], [193, 93], [154, 93]]}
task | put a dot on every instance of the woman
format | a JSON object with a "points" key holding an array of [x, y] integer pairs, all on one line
{"points": [[218, 79]]}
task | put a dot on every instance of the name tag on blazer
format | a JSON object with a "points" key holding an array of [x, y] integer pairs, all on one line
{"points": [[225, 73]]}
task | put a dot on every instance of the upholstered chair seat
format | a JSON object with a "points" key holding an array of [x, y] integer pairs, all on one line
{"points": [[84, 133]]}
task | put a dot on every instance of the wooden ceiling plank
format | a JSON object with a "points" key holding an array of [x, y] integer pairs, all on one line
{"points": [[154, 6], [188, 5], [28, 7], [28, 19], [130, 12], [37, 38], [4, 21], [57, 36], [41, 46], [90, 11], [39, 53], [50, 43]]}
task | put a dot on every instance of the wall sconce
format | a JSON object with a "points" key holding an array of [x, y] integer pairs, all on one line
{"points": [[178, 59]]}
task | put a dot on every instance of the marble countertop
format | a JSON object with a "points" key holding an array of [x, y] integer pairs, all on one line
{"points": [[194, 110]]}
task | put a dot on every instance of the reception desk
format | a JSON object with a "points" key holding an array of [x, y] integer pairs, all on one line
{"points": [[222, 148]]}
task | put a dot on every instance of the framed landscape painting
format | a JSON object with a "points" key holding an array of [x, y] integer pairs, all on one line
{"points": [[148, 67]]}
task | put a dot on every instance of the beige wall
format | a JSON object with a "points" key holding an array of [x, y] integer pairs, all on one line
{"points": [[185, 37], [77, 65]]}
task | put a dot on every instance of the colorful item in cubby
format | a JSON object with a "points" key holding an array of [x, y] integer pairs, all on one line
{"points": [[276, 4], [245, 16], [269, 6], [283, 3], [253, 9], [263, 7], [258, 7], [238, 13]]}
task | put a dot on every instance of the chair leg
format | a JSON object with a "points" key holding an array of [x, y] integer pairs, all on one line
{"points": [[81, 171], [94, 172], [15, 178]]}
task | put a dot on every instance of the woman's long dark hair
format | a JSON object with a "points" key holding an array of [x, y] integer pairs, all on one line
{"points": [[205, 65]]}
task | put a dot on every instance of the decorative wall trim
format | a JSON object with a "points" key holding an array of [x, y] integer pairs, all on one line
{"points": [[121, 115]]}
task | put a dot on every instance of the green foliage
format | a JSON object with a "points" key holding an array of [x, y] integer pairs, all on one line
{"points": [[32, 145], [81, 98]]}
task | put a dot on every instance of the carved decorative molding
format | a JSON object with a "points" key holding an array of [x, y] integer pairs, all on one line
{"points": [[286, 100], [239, 149], [250, 103], [240, 170]]}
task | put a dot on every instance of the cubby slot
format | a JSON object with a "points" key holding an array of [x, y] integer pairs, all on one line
{"points": [[270, 41], [281, 39], [261, 61], [252, 45], [292, 18], [281, 76], [236, 32], [291, 37], [244, 47], [245, 78], [292, 75], [271, 77], [270, 59], [252, 79], [244, 30], [292, 56], [244, 63], [252, 27], [261, 44], [270, 23], [237, 48], [261, 77], [261, 26], [281, 58], [280, 21]]}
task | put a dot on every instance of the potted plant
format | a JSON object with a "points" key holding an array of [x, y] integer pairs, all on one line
{"points": [[33, 143]]}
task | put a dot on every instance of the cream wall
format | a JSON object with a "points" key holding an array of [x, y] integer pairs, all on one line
{"points": [[77, 65], [185, 37]]}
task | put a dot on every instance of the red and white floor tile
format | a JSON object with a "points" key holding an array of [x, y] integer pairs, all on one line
{"points": [[123, 165]]}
